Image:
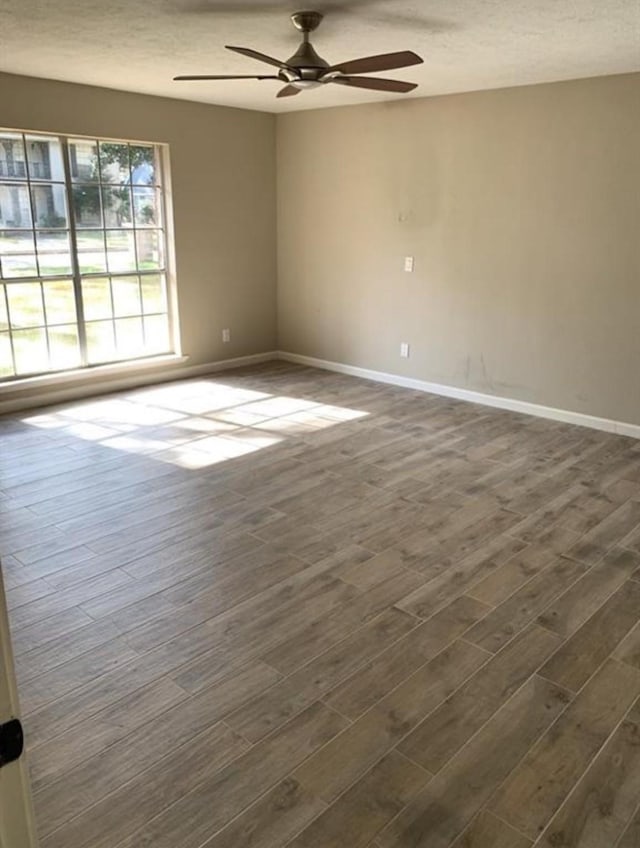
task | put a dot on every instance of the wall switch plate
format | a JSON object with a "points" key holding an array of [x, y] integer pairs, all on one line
{"points": [[408, 264], [404, 350], [226, 336]]}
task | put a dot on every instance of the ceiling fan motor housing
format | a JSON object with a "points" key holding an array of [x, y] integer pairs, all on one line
{"points": [[309, 66]]}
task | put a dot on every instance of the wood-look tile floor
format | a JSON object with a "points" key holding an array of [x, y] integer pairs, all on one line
{"points": [[283, 607]]}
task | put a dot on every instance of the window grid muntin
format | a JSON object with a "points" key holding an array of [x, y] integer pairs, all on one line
{"points": [[157, 227], [35, 249]]}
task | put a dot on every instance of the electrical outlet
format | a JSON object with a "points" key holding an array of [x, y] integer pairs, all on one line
{"points": [[408, 264], [404, 350], [226, 336]]}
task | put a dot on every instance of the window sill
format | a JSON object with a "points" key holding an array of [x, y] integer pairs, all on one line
{"points": [[69, 378]]}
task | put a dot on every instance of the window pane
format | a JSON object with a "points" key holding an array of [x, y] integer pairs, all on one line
{"points": [[64, 349], [114, 162], [117, 206], [92, 263], [54, 253], [12, 162], [15, 209], [4, 316], [17, 257], [83, 155], [15, 241], [142, 165], [30, 349], [126, 296], [149, 246], [45, 158], [59, 302], [156, 334], [19, 266], [25, 304], [88, 240], [100, 341], [153, 293], [146, 207], [91, 256], [87, 209], [6, 360], [129, 337], [121, 251], [49, 205], [96, 298]]}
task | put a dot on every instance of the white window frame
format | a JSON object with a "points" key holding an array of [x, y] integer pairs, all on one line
{"points": [[165, 229]]}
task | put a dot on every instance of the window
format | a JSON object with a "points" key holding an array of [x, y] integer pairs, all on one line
{"points": [[82, 253]]}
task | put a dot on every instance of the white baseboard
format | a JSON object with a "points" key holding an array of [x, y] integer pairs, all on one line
{"points": [[226, 364], [120, 381], [621, 428], [77, 385]]}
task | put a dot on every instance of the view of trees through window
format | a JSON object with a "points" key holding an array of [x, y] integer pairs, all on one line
{"points": [[82, 253]]}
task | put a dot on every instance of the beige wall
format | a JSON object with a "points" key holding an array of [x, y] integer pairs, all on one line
{"points": [[522, 209], [223, 175]]}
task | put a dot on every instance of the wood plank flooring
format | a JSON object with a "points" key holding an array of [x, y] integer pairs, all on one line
{"points": [[283, 607]]}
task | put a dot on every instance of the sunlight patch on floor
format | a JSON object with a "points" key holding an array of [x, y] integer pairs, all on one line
{"points": [[192, 424]]}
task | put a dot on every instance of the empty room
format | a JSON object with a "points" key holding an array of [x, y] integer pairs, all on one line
{"points": [[320, 424]]}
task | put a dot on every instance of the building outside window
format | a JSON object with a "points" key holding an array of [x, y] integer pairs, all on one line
{"points": [[83, 253]]}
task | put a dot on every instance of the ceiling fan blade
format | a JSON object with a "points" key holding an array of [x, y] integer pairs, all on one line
{"points": [[261, 57], [288, 91], [222, 77], [383, 62], [376, 83]]}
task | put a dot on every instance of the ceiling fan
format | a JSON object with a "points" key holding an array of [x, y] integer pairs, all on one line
{"points": [[305, 69]]}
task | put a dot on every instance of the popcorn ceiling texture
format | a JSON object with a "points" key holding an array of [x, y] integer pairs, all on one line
{"points": [[467, 44]]}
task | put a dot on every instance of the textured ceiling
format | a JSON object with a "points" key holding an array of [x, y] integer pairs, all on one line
{"points": [[466, 44]]}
